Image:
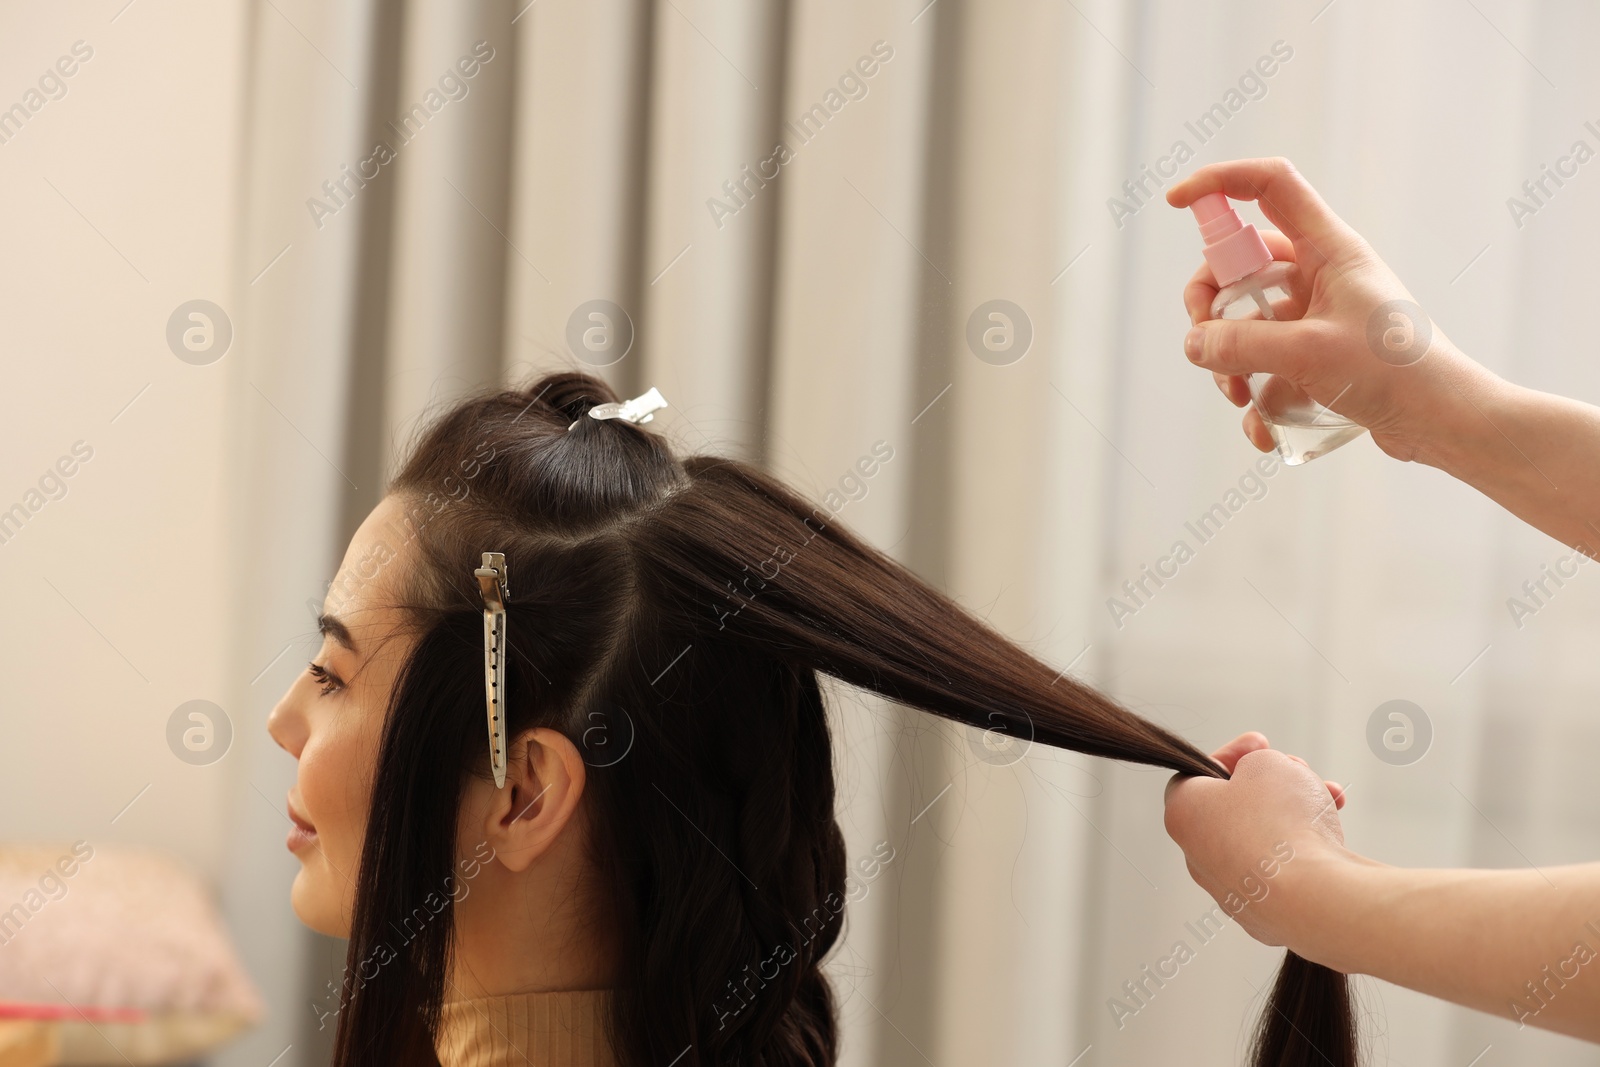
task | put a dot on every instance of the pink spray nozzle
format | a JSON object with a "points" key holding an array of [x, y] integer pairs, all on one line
{"points": [[1233, 247], [1210, 206]]}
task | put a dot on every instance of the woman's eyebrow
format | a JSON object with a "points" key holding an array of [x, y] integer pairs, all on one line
{"points": [[329, 626]]}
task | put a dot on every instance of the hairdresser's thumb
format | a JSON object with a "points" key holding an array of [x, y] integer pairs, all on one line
{"points": [[1185, 801], [1246, 346]]}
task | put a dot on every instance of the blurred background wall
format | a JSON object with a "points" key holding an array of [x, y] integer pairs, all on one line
{"points": [[617, 159]]}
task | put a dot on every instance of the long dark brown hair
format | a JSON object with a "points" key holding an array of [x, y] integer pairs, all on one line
{"points": [[670, 616]]}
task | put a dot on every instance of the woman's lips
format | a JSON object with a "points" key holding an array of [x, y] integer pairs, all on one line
{"points": [[302, 833]]}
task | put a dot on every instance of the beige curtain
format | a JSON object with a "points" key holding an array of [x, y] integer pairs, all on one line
{"points": [[800, 308]]}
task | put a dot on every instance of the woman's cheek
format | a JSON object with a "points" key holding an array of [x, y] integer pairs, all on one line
{"points": [[335, 775], [322, 895]]}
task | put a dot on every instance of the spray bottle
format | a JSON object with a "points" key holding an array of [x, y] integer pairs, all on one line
{"points": [[1251, 284]]}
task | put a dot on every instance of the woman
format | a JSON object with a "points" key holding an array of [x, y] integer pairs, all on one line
{"points": [[649, 869]]}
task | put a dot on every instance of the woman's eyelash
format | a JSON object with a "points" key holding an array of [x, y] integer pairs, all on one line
{"points": [[329, 680]]}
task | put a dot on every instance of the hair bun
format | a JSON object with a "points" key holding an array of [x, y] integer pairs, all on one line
{"points": [[571, 394]]}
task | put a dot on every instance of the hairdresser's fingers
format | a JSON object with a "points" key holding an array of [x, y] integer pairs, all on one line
{"points": [[1287, 784], [1187, 802], [1228, 755], [1285, 197], [1236, 389], [1172, 785], [1246, 346], [1335, 790], [1185, 790], [1199, 293], [1255, 428]]}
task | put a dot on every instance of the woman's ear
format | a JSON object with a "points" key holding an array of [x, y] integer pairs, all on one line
{"points": [[545, 777]]}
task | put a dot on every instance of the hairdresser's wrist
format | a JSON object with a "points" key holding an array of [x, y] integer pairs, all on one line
{"points": [[1460, 404], [1436, 411], [1334, 894]]}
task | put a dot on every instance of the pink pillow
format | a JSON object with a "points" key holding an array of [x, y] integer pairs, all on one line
{"points": [[86, 927]]}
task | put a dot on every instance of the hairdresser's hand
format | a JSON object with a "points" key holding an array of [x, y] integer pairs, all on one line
{"points": [[1267, 845], [1344, 352], [1252, 840]]}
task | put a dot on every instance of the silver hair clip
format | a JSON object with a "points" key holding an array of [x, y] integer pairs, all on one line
{"points": [[493, 582], [637, 410]]}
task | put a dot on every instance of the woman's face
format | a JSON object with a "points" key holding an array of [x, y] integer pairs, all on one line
{"points": [[331, 721]]}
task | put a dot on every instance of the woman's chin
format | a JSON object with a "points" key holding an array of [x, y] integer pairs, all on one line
{"points": [[315, 907]]}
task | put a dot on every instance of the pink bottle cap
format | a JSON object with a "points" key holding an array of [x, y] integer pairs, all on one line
{"points": [[1233, 247]]}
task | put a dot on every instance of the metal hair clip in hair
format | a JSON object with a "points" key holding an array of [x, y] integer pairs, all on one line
{"points": [[493, 582], [637, 410]]}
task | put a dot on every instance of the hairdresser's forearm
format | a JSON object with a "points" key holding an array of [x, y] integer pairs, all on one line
{"points": [[1535, 454], [1522, 944]]}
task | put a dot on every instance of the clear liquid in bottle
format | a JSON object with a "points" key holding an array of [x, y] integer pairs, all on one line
{"points": [[1301, 428]]}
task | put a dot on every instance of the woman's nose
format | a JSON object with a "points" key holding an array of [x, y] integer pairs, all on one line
{"points": [[287, 725]]}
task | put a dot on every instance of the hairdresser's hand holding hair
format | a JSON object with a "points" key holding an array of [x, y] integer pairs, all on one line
{"points": [[1239, 861], [1266, 843], [1531, 452]]}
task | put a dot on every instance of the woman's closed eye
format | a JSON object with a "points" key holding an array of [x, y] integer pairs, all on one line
{"points": [[330, 681]]}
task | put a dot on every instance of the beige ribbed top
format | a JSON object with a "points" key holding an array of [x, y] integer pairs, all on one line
{"points": [[564, 1029]]}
